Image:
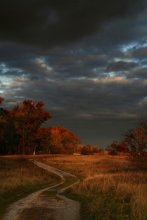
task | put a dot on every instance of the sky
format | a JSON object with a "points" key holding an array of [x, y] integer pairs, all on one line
{"points": [[85, 59]]}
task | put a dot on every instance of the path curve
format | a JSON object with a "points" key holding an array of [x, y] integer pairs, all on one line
{"points": [[57, 207]]}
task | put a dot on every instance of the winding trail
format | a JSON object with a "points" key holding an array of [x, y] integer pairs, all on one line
{"points": [[38, 205]]}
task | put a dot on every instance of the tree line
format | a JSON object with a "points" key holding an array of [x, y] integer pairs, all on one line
{"points": [[22, 131], [134, 142]]}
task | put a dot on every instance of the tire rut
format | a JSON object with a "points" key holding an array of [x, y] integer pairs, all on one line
{"points": [[38, 205]]}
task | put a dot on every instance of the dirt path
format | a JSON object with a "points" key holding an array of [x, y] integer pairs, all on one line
{"points": [[38, 205]]}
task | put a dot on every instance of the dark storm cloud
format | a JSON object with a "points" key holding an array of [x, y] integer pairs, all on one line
{"points": [[140, 52], [82, 97], [52, 22], [96, 86], [140, 73], [121, 65]]}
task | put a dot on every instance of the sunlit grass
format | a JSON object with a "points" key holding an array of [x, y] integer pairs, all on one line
{"points": [[84, 166], [111, 187], [128, 192]]}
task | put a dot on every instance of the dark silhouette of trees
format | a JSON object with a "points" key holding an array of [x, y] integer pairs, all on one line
{"points": [[89, 149], [21, 131], [19, 124], [134, 142], [137, 140], [1, 100], [118, 147], [28, 116], [7, 131]]}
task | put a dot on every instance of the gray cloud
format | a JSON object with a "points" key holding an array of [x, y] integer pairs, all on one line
{"points": [[121, 66], [140, 52], [50, 23], [96, 86]]}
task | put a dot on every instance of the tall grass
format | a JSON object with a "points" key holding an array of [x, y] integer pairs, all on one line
{"points": [[83, 166], [111, 187], [19, 177], [126, 192]]}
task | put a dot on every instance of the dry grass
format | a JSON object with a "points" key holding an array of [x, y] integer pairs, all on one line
{"points": [[19, 177], [83, 166], [111, 188], [20, 172], [128, 190]]}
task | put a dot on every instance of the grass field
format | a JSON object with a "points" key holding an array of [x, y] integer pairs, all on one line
{"points": [[111, 187], [18, 178]]}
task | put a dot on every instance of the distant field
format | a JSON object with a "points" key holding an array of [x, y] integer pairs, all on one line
{"points": [[19, 177], [84, 166], [111, 188]]}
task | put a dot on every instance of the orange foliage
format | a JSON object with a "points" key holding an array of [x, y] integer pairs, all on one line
{"points": [[57, 139]]}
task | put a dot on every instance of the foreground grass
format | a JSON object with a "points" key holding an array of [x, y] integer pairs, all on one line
{"points": [[114, 197], [18, 178], [111, 187]]}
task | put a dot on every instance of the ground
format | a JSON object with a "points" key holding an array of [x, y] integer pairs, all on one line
{"points": [[39, 205]]}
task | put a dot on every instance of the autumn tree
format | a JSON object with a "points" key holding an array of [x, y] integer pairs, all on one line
{"points": [[2, 126], [41, 139], [1, 100], [117, 147], [7, 131], [137, 140], [21, 131], [57, 139], [28, 116], [89, 149]]}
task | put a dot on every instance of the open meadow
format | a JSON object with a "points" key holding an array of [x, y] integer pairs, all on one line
{"points": [[18, 178], [110, 188]]}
